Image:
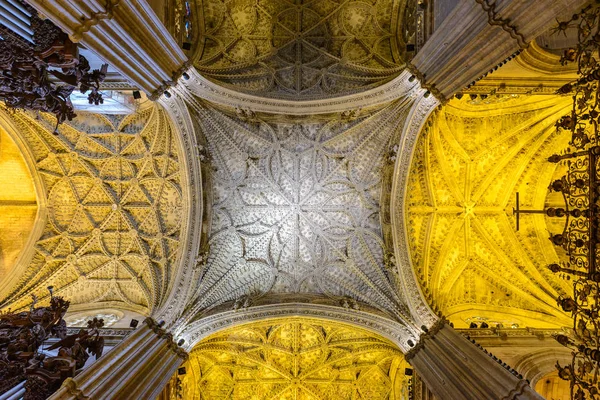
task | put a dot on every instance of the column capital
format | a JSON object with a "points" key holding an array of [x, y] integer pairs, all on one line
{"points": [[426, 335], [162, 333]]}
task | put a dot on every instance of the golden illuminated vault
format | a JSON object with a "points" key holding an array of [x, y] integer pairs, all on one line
{"points": [[471, 160], [114, 210], [18, 205], [295, 359]]}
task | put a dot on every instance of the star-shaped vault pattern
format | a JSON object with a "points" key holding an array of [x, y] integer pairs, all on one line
{"points": [[295, 360], [470, 162], [296, 209], [114, 210], [303, 48]]}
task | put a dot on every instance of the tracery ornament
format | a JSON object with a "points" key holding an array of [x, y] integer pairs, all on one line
{"points": [[296, 210], [40, 70], [115, 209], [295, 359], [24, 364], [304, 49], [469, 163]]}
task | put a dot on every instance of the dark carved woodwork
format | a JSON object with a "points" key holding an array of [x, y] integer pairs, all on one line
{"points": [[21, 340], [42, 75]]}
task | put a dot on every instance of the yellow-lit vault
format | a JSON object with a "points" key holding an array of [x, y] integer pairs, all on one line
{"points": [[471, 160], [293, 359], [18, 205]]}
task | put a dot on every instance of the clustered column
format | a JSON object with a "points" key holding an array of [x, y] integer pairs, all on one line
{"points": [[126, 34], [454, 368], [138, 368], [479, 35]]}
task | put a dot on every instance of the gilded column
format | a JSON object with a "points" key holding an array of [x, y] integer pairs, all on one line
{"points": [[127, 34], [454, 368], [138, 368], [478, 35]]}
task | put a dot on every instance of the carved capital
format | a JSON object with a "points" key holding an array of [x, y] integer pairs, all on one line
{"points": [[429, 334], [162, 333], [72, 388]]}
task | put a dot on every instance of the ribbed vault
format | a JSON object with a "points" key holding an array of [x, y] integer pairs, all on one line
{"points": [[295, 359], [115, 210], [304, 49], [296, 209], [471, 160]]}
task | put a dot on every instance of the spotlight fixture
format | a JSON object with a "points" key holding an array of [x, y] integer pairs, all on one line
{"points": [[181, 342], [408, 371], [137, 95], [186, 46], [167, 94], [134, 323], [181, 371]]}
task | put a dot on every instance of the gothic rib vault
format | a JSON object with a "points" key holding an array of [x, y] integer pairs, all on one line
{"points": [[115, 210], [295, 211], [296, 359], [304, 49], [471, 160]]}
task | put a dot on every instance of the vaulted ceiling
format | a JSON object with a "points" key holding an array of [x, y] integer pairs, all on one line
{"points": [[296, 359], [471, 160], [304, 49], [111, 237], [18, 205], [295, 209]]}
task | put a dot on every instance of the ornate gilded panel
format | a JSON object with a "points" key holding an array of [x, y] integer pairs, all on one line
{"points": [[295, 359], [306, 49], [114, 209], [469, 163]]}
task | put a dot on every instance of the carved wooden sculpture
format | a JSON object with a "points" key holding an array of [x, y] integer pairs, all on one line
{"points": [[41, 75], [21, 338]]}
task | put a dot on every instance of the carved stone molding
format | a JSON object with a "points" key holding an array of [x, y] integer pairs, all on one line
{"points": [[185, 281], [399, 334], [94, 19], [413, 125], [162, 333], [397, 88]]}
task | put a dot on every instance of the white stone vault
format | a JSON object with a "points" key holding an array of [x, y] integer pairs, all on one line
{"points": [[296, 209], [296, 212]]}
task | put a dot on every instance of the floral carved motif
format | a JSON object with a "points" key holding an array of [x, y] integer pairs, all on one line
{"points": [[296, 209]]}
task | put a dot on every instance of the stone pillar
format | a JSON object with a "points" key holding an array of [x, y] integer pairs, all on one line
{"points": [[454, 368], [127, 34], [480, 34], [138, 368]]}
